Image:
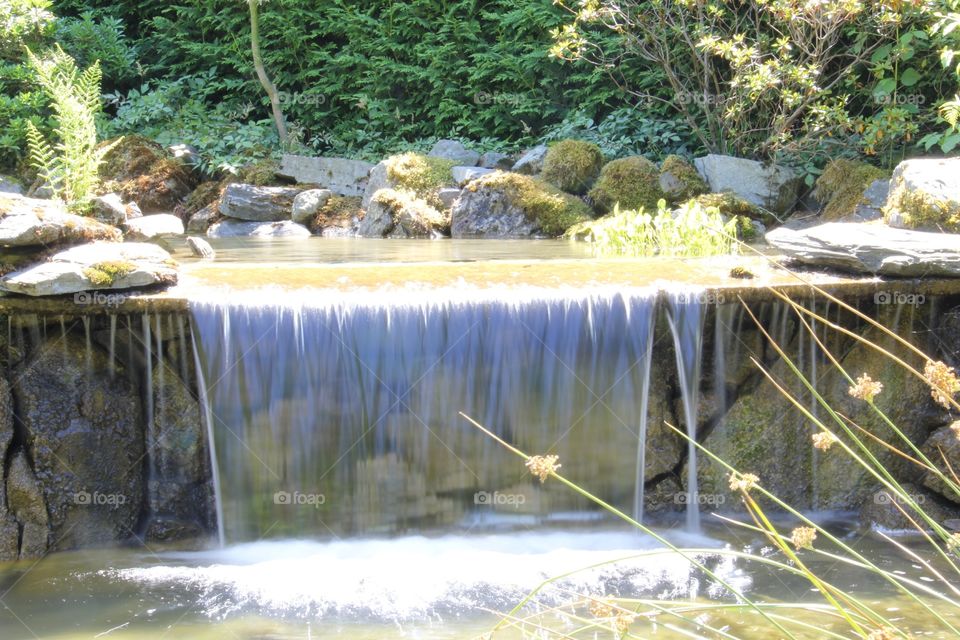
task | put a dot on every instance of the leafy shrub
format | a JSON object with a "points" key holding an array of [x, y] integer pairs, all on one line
{"points": [[632, 183], [70, 166], [90, 39], [626, 131], [572, 165]]}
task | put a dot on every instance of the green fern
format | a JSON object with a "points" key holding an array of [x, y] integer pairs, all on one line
{"points": [[69, 166]]}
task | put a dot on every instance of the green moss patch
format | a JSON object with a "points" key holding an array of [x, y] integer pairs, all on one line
{"points": [[337, 212], [632, 182], [731, 205], [420, 174], [841, 185], [104, 274], [572, 165], [554, 210], [685, 181]]}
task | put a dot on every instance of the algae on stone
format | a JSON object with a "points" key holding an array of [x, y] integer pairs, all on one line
{"points": [[632, 182], [572, 165]]}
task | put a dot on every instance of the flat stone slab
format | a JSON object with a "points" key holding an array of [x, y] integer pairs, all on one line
{"points": [[342, 176], [70, 271], [260, 204], [236, 228], [871, 248], [156, 225], [28, 222]]}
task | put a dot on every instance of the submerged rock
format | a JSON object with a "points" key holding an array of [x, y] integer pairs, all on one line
{"points": [[257, 204], [768, 186], [98, 265], [34, 222], [230, 228], [83, 430], [158, 225], [871, 248]]}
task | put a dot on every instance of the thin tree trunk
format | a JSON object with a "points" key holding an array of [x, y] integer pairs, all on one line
{"points": [[268, 85]]}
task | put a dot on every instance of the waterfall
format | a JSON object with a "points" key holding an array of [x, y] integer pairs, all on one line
{"points": [[339, 415]]}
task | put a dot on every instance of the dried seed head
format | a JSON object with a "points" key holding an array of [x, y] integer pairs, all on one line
{"points": [[543, 466], [824, 440], [943, 382], [803, 537], [866, 388], [743, 481], [601, 609]]}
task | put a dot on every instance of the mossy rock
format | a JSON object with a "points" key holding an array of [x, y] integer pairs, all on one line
{"points": [[104, 274], [680, 181], [338, 212], [925, 195], [205, 193], [421, 175], [505, 204], [572, 165], [632, 182], [401, 214], [260, 173], [731, 205], [140, 170], [131, 157], [841, 186]]}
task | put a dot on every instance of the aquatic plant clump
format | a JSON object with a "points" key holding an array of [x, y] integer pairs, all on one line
{"points": [[689, 231], [572, 165]]}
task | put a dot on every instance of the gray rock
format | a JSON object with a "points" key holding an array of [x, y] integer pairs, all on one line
{"points": [[871, 207], [235, 228], [943, 444], [307, 203], [259, 204], [463, 175], [496, 160], [28, 507], [201, 248], [10, 185], [83, 430], [109, 208], [201, 220], [32, 221], [884, 510], [531, 162], [75, 270], [157, 225], [490, 213], [771, 187], [342, 176], [395, 215], [378, 180], [924, 183], [453, 150], [448, 196], [186, 153], [871, 248]]}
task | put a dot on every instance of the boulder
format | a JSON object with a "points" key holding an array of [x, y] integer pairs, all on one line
{"points": [[230, 228], [200, 248], [82, 426], [531, 162], [679, 180], [308, 203], [341, 176], [456, 152], [109, 208], [842, 187], [28, 507], [496, 160], [505, 205], [33, 222], [142, 171], [338, 217], [201, 220], [257, 204], [882, 510], [871, 205], [925, 194], [98, 265], [157, 225], [942, 448], [769, 186], [421, 175], [572, 165], [378, 180], [871, 248], [448, 196], [632, 183], [463, 175], [10, 185], [399, 214]]}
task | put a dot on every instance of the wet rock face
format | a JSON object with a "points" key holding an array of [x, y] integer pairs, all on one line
{"points": [[83, 431]]}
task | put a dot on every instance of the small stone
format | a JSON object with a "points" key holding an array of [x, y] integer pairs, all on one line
{"points": [[495, 160], [307, 203], [453, 150], [109, 208], [463, 175], [200, 248]]}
